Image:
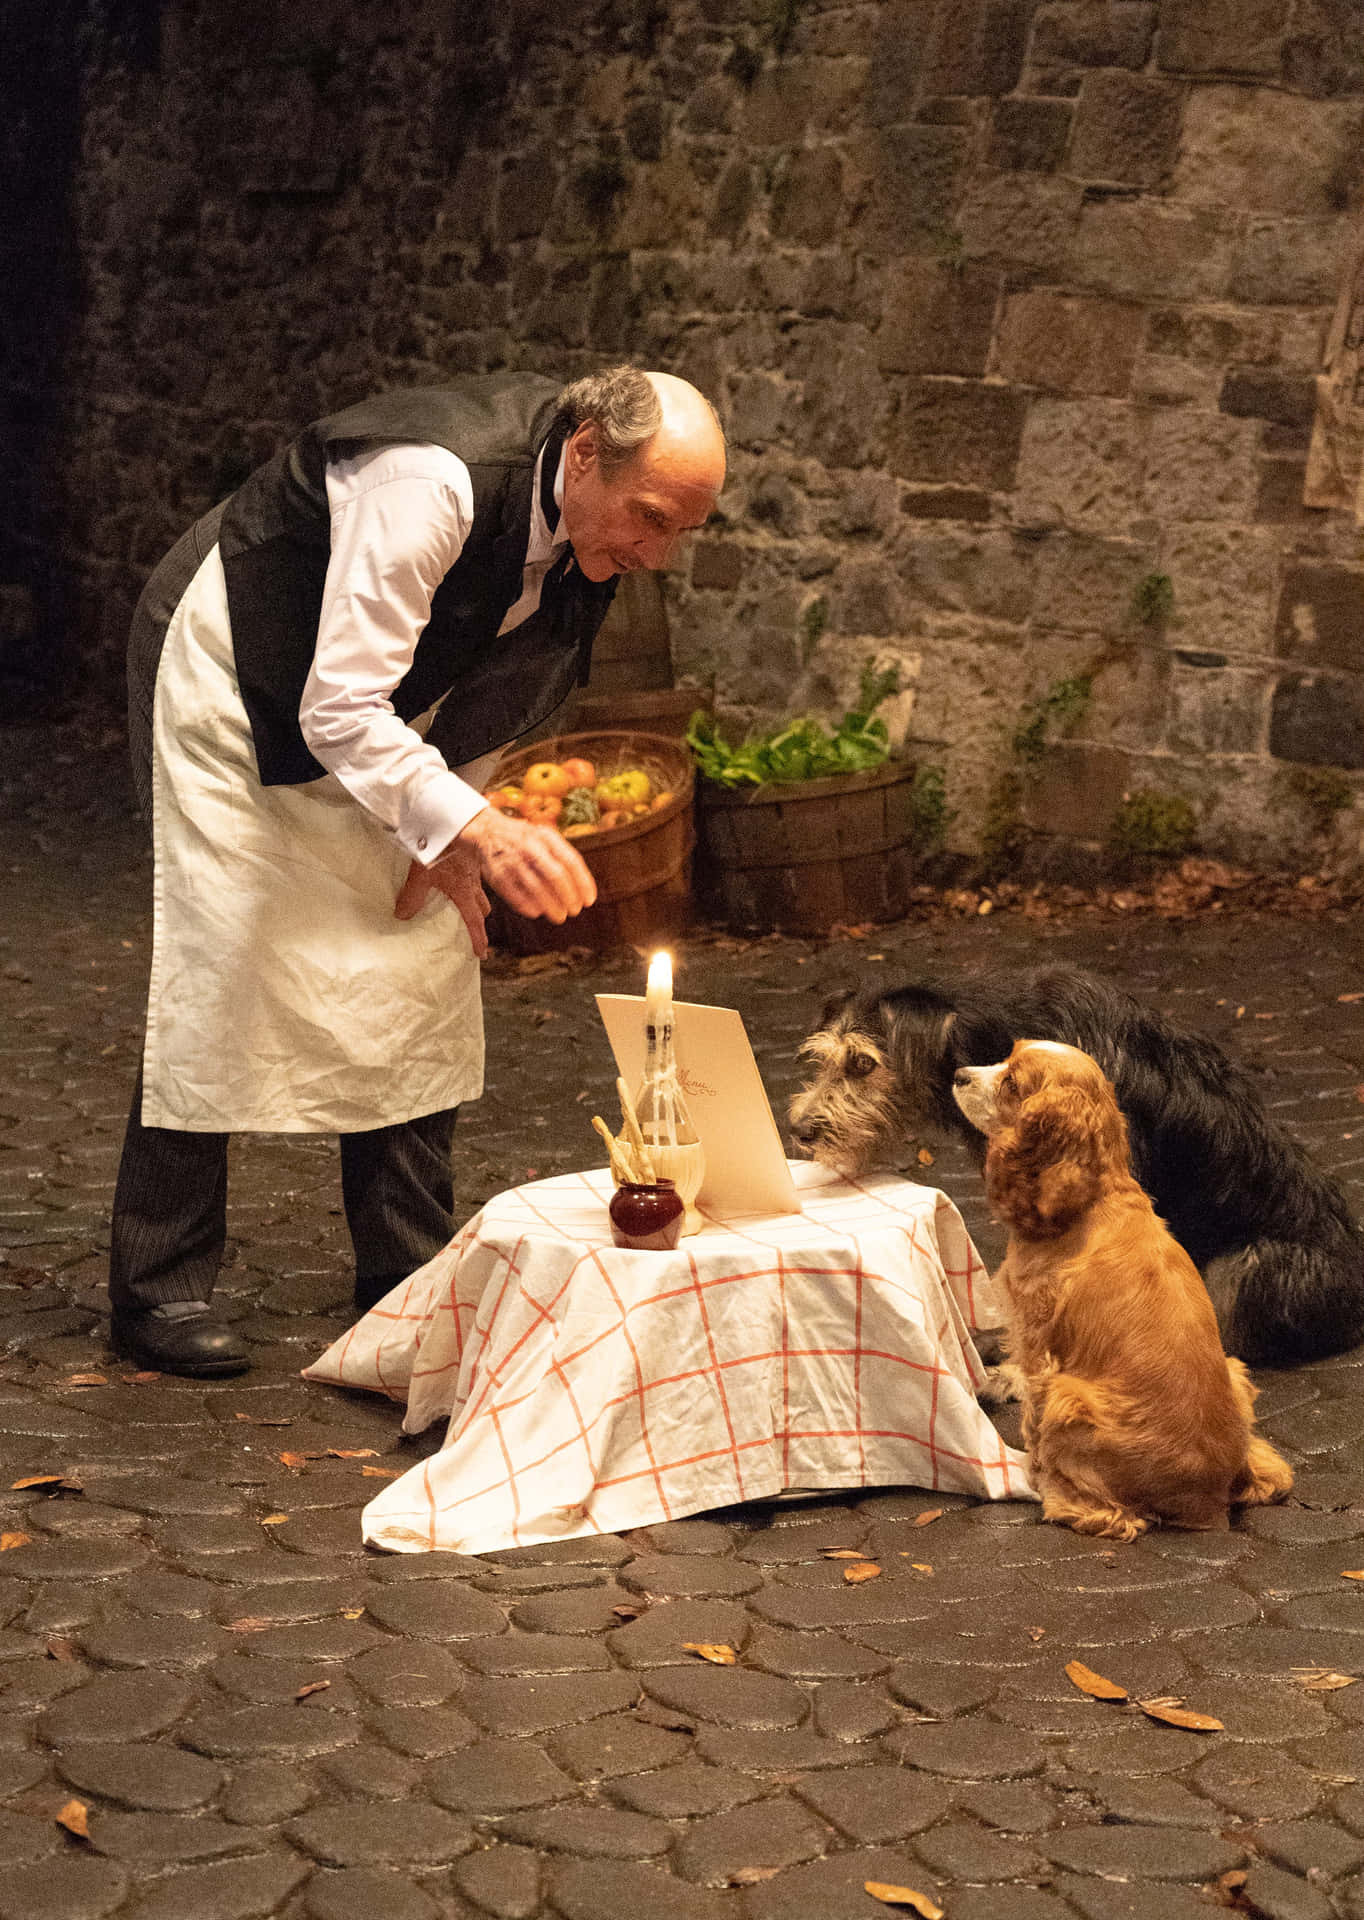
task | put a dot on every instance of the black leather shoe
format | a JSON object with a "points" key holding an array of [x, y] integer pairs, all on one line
{"points": [[180, 1337]]}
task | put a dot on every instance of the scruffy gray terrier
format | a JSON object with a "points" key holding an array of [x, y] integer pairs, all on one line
{"points": [[1270, 1232]]}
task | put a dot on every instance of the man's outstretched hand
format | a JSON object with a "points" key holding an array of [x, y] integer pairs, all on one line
{"points": [[534, 869]]}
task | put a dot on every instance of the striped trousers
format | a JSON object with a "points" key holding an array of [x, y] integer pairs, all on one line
{"points": [[169, 1223]]}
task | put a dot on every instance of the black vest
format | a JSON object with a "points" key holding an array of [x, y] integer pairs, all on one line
{"points": [[275, 544]]}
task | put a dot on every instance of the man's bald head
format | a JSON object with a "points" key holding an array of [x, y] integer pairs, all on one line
{"points": [[644, 463], [689, 429]]}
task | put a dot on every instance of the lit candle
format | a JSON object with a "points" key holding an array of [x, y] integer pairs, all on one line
{"points": [[658, 995]]}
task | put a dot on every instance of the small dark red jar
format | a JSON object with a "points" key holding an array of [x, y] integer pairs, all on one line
{"points": [[646, 1216]]}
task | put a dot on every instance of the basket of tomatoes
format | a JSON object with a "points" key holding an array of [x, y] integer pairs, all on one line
{"points": [[625, 801]]}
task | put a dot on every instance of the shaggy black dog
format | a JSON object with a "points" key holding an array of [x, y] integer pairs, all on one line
{"points": [[1271, 1234]]}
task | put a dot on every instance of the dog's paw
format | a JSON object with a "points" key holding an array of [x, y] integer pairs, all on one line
{"points": [[1004, 1384]]}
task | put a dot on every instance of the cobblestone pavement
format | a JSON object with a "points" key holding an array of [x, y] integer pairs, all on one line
{"points": [[260, 1718]]}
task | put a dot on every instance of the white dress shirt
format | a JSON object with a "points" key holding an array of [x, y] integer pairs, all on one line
{"points": [[399, 518]]}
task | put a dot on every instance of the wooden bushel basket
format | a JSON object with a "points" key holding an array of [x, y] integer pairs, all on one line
{"points": [[804, 856], [642, 870]]}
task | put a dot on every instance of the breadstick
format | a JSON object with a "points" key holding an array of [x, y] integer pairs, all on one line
{"points": [[633, 1132], [620, 1169]]}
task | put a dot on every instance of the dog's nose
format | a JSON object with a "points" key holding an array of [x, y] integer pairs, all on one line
{"points": [[962, 1077]]}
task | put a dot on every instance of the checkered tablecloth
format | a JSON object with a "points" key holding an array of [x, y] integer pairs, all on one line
{"points": [[589, 1387]]}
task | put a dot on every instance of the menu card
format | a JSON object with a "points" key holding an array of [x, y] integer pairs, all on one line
{"points": [[746, 1169]]}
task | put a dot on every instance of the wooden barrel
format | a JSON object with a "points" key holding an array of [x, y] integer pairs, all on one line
{"points": [[642, 870], [804, 856]]}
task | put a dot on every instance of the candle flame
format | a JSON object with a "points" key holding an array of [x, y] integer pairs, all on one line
{"points": [[660, 973]]}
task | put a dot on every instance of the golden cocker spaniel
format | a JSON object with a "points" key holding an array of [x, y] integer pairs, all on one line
{"points": [[1132, 1412]]}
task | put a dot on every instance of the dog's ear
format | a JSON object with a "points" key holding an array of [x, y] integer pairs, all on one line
{"points": [[1043, 1172], [835, 1005]]}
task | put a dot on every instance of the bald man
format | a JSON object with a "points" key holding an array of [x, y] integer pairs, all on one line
{"points": [[321, 677]]}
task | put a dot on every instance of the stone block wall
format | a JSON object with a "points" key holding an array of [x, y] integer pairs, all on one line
{"points": [[1012, 308]]}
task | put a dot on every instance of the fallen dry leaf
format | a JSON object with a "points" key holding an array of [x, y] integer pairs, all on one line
{"points": [[927, 1519], [903, 1897], [1228, 1890], [382, 1473], [75, 1817], [351, 1613], [60, 1648], [921, 1566], [274, 1519], [1322, 1679], [717, 1654], [55, 1480], [313, 1686], [1172, 1713], [352, 1453], [85, 1380], [296, 1461], [249, 1623], [139, 1379], [924, 1157], [8, 1540], [1348, 999], [1093, 1683], [264, 1420], [842, 1553], [865, 1570], [1353, 1573], [627, 1612]]}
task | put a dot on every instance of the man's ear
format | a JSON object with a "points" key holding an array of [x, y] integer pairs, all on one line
{"points": [[581, 447]]}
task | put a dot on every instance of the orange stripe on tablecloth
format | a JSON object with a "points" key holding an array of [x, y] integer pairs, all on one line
{"points": [[785, 1381], [557, 1369], [933, 1418], [653, 1471], [692, 1460], [546, 1317], [511, 1475], [716, 1370], [639, 1377]]}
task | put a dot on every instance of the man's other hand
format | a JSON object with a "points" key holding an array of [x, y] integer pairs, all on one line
{"points": [[456, 875]]}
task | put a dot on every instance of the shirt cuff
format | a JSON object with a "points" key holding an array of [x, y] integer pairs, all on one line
{"points": [[443, 808]]}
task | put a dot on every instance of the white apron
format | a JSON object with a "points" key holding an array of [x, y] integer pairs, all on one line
{"points": [[285, 997]]}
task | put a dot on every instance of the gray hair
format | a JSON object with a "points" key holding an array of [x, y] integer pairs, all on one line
{"points": [[622, 404]]}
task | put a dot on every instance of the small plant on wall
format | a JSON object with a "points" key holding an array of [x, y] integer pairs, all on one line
{"points": [[1153, 599], [1314, 795], [929, 809], [1006, 834], [1151, 824]]}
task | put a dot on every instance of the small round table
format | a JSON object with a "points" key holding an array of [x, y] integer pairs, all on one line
{"points": [[590, 1387]]}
